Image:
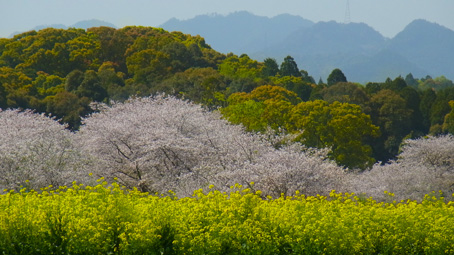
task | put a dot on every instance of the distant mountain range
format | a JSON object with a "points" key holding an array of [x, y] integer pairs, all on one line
{"points": [[81, 24], [363, 54], [239, 32]]}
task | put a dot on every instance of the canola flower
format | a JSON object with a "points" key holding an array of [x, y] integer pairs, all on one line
{"points": [[110, 219]]}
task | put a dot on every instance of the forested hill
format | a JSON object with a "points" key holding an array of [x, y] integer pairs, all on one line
{"points": [[61, 72]]}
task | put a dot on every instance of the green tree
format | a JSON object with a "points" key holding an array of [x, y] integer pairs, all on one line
{"points": [[248, 113], [266, 92], [342, 127], [346, 92], [306, 77], [112, 82], [440, 106], [91, 87], [3, 95], [448, 125], [181, 58], [389, 111], [149, 66], [59, 51], [266, 106], [18, 88], [411, 81], [200, 85], [84, 52], [373, 88], [437, 84], [73, 80], [336, 76], [413, 102], [68, 108], [257, 116], [197, 56], [296, 84], [270, 67], [395, 85], [428, 97], [289, 68], [241, 67], [48, 85]]}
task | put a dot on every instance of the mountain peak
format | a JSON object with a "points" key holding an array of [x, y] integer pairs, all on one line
{"points": [[428, 44], [420, 27]]}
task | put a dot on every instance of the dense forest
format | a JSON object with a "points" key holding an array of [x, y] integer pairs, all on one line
{"points": [[67, 73]]}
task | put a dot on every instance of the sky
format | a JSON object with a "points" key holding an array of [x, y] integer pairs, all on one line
{"points": [[386, 16]]}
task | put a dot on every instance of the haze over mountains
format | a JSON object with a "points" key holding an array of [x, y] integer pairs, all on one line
{"points": [[239, 32], [363, 54]]}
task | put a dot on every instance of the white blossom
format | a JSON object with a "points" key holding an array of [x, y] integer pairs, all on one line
{"points": [[424, 165], [162, 143], [36, 151]]}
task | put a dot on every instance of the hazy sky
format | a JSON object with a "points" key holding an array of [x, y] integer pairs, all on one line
{"points": [[386, 16]]}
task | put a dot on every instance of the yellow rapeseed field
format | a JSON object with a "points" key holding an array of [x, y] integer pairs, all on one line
{"points": [[109, 219]]}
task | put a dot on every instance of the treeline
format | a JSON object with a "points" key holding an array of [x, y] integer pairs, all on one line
{"points": [[61, 72]]}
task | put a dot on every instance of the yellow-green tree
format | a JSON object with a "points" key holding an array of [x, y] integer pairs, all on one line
{"points": [[448, 125], [296, 84], [241, 67], [266, 92], [266, 106], [200, 85], [343, 127]]}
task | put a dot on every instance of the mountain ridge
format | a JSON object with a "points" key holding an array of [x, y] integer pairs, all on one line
{"points": [[81, 24], [320, 47], [250, 28]]}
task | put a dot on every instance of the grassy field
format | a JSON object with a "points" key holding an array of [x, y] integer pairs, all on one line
{"points": [[108, 219]]}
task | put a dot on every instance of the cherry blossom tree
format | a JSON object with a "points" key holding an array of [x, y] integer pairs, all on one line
{"points": [[161, 143], [293, 168], [36, 151], [423, 166]]}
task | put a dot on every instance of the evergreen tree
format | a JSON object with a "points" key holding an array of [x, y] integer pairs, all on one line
{"points": [[336, 76], [410, 80], [270, 68], [289, 67]]}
